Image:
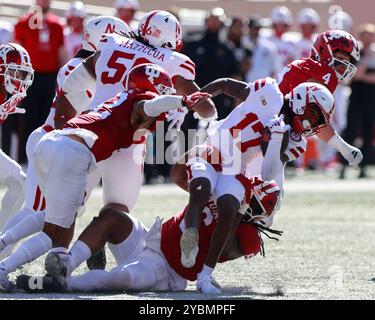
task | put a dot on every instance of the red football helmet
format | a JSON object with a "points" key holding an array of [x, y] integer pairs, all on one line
{"points": [[332, 41], [149, 77], [262, 197], [16, 72]]}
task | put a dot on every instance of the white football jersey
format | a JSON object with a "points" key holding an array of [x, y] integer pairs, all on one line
{"points": [[238, 136], [61, 76], [118, 55]]}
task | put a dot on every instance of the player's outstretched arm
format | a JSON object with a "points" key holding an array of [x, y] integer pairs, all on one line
{"points": [[205, 109], [231, 87], [147, 110]]}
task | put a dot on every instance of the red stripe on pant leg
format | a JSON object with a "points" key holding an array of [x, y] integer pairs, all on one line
{"points": [[37, 199], [43, 204]]}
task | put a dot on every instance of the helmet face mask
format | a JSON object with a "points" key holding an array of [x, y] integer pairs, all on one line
{"points": [[311, 121], [16, 72], [331, 47]]}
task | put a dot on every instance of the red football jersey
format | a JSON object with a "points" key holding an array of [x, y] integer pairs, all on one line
{"points": [[111, 122], [300, 71], [171, 234]]}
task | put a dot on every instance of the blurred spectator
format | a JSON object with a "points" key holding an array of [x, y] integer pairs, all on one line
{"points": [[126, 10], [308, 22], [340, 20], [42, 35], [361, 110], [73, 33], [6, 31], [242, 54], [265, 61], [282, 19]]}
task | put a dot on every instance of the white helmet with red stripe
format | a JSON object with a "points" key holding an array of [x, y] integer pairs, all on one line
{"points": [[161, 29], [96, 27], [16, 72], [313, 106]]}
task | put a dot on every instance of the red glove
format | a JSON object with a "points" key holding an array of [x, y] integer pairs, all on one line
{"points": [[191, 100]]}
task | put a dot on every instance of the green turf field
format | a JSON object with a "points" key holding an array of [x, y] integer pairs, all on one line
{"points": [[327, 250]]}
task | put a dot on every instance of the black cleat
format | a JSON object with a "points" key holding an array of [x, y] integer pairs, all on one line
{"points": [[98, 261], [39, 284]]}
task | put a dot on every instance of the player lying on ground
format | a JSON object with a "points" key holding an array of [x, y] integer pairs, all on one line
{"points": [[31, 218], [232, 145], [333, 57], [16, 76], [148, 260], [63, 158]]}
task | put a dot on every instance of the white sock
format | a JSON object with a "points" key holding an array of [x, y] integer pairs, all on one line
{"points": [[28, 251], [31, 224], [12, 200], [79, 253], [17, 218], [60, 250], [206, 272]]}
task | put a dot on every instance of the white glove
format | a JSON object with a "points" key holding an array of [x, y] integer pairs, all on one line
{"points": [[354, 157], [352, 154], [10, 106], [277, 125], [176, 117]]}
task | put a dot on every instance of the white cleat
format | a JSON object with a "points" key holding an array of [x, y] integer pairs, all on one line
{"points": [[208, 286], [5, 284], [189, 247]]}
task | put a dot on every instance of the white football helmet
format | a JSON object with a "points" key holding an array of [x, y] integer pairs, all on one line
{"points": [[128, 4], [340, 20], [16, 72], [96, 27], [313, 106], [76, 9], [161, 29], [308, 16], [281, 15]]}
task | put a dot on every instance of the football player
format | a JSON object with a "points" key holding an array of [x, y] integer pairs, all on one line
{"points": [[16, 76], [333, 58], [63, 158], [235, 141], [158, 42], [31, 218], [149, 260]]}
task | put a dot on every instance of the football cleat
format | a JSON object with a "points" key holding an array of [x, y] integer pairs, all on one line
{"points": [[208, 286], [31, 284], [189, 247], [56, 267], [5, 284], [98, 261]]}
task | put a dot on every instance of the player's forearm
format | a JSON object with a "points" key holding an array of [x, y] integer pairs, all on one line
{"points": [[231, 87], [64, 112], [326, 133], [272, 164]]}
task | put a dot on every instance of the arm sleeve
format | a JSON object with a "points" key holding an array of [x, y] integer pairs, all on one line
{"points": [[272, 164]]}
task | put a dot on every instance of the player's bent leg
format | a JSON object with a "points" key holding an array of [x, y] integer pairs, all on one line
{"points": [[31, 224], [12, 176], [122, 176]]}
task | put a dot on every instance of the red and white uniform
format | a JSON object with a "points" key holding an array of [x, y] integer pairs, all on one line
{"points": [[104, 130], [117, 57], [303, 70], [33, 197], [150, 260], [236, 140]]}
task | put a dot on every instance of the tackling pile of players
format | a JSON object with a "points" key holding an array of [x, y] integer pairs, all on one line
{"points": [[109, 97]]}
